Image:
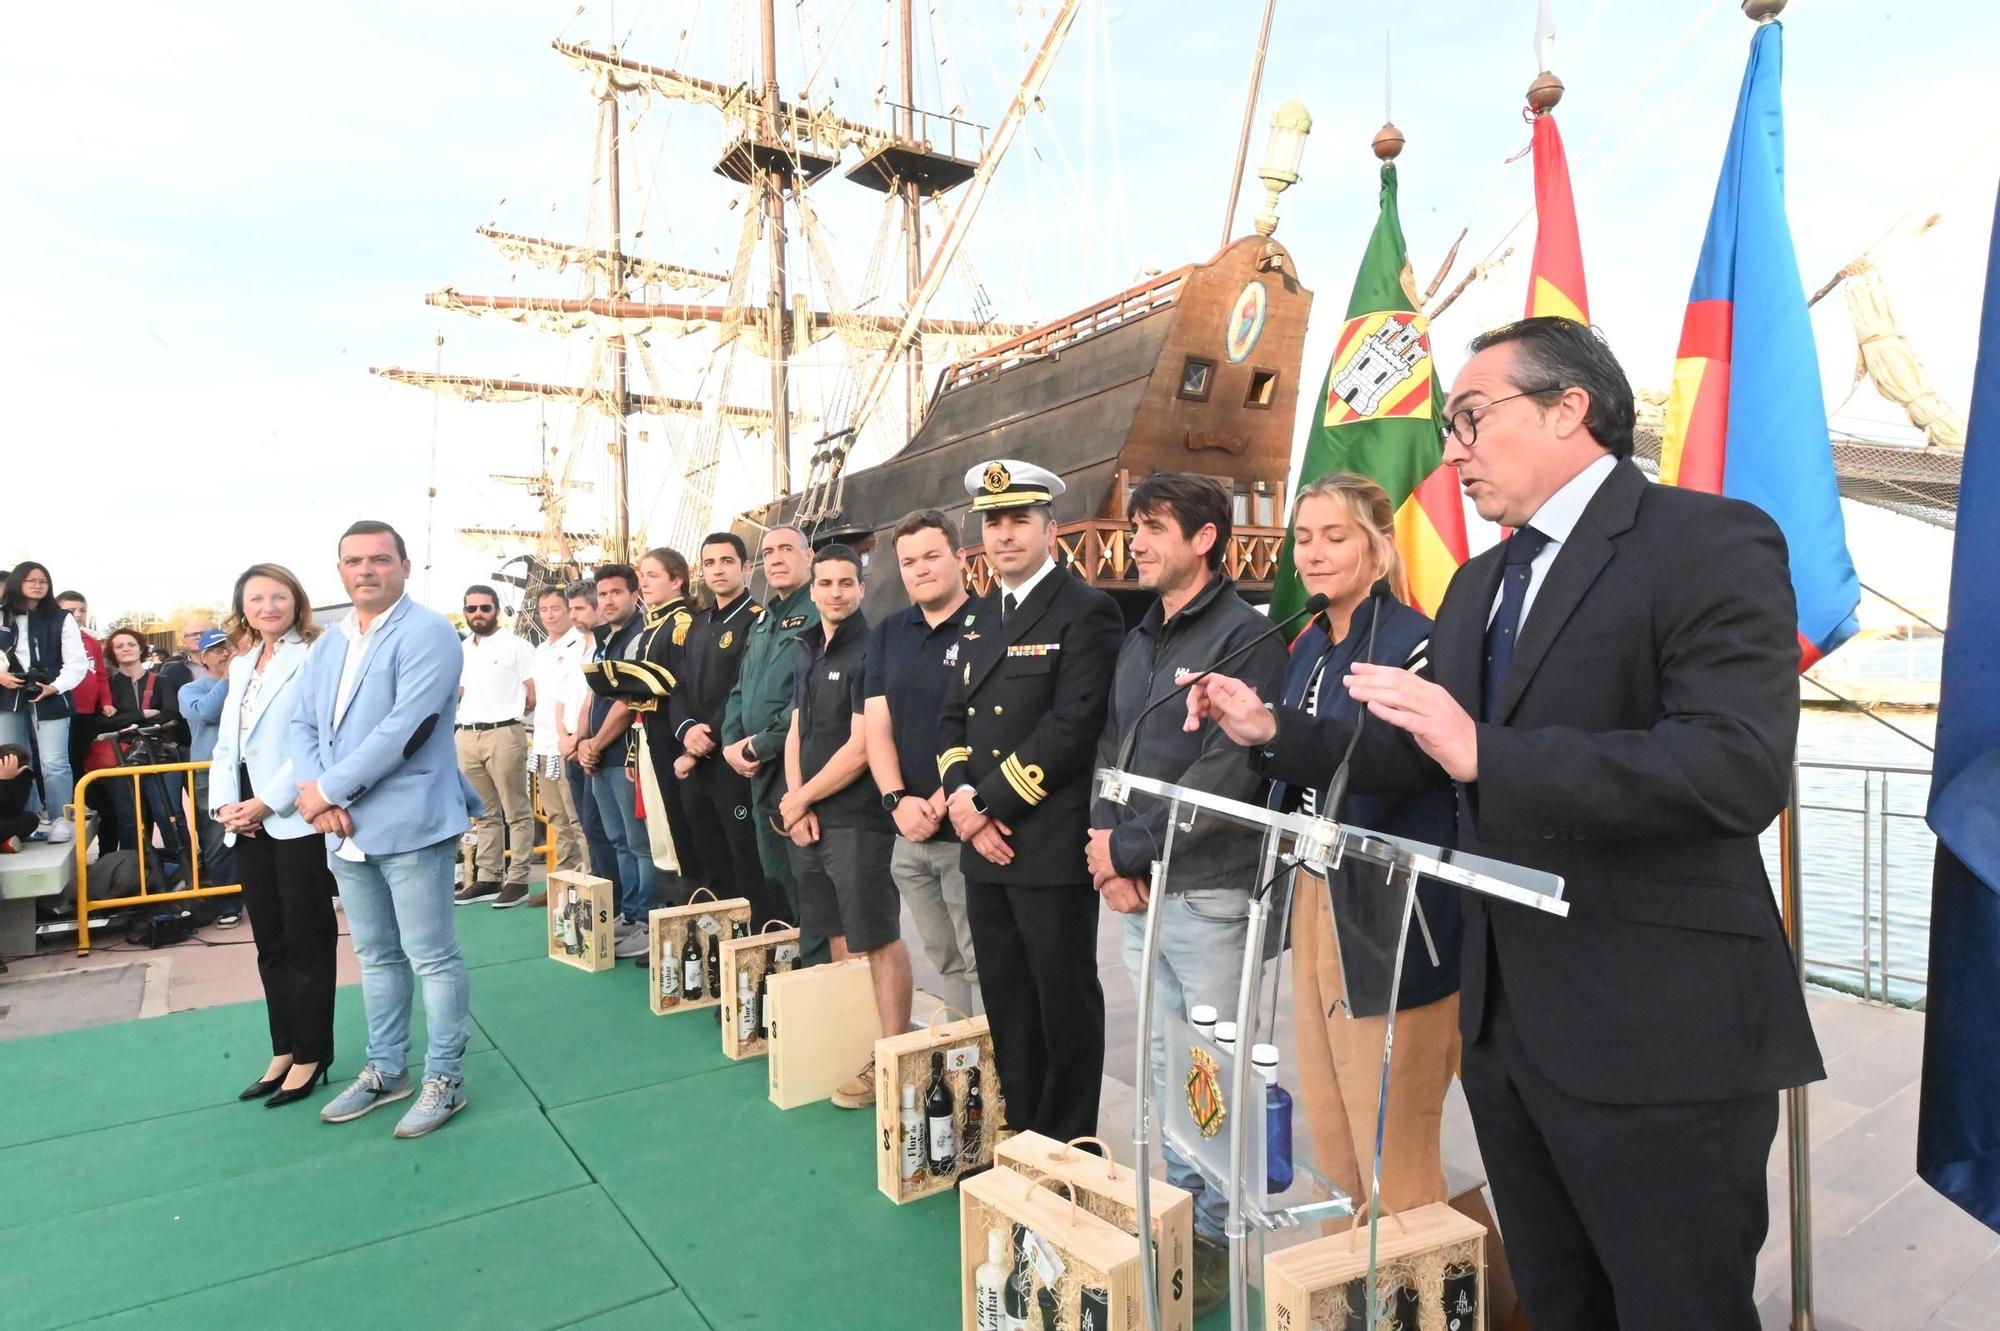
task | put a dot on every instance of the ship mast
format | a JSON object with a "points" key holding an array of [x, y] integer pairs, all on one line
{"points": [[774, 227], [913, 269], [621, 527]]}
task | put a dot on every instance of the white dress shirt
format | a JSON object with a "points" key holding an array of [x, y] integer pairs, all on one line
{"points": [[494, 685], [358, 640], [559, 685], [1556, 519], [1027, 589]]}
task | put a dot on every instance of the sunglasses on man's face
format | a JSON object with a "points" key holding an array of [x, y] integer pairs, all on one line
{"points": [[479, 610]]}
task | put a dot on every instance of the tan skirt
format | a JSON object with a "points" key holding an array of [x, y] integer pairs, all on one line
{"points": [[1340, 1070], [659, 828]]}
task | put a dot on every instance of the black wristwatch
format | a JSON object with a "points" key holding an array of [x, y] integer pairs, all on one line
{"points": [[891, 798]]}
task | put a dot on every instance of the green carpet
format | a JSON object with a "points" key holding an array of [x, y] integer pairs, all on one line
{"points": [[612, 1170]]}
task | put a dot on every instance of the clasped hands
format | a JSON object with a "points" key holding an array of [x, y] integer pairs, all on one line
{"points": [[982, 831], [324, 815], [1122, 893], [1401, 698]]}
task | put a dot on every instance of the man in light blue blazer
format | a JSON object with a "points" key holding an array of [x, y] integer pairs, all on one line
{"points": [[377, 772]]}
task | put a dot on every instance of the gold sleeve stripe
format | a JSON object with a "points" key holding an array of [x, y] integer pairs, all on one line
{"points": [[950, 758], [1025, 778]]}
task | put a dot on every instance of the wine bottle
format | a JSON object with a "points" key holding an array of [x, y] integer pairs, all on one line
{"points": [[975, 1120], [1014, 1299], [1277, 1121], [746, 1009], [913, 1136], [1045, 1299], [764, 1005], [1095, 1311], [989, 1282], [739, 929], [670, 981], [691, 981], [941, 1120], [714, 966]]}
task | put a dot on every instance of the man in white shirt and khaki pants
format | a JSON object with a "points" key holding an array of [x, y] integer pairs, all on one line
{"points": [[561, 699], [496, 690]]}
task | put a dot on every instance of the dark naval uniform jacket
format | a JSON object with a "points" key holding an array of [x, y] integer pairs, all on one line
{"points": [[1021, 721]]}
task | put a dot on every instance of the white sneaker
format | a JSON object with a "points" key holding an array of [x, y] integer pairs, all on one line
{"points": [[61, 831]]}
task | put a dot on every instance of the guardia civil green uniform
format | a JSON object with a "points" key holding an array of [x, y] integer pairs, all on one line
{"points": [[760, 709]]}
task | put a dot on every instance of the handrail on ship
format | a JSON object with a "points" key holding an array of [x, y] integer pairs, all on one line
{"points": [[1153, 294]]}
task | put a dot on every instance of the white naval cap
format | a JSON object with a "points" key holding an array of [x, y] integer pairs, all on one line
{"points": [[1007, 483]]}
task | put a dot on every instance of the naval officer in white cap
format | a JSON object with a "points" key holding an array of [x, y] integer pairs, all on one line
{"points": [[1016, 751]]}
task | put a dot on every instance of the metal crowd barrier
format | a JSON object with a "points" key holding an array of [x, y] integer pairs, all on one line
{"points": [[79, 819]]}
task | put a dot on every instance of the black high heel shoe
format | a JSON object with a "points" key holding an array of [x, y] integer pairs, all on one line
{"points": [[285, 1097], [257, 1090]]}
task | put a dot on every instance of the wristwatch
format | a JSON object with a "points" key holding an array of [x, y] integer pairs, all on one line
{"points": [[891, 798]]}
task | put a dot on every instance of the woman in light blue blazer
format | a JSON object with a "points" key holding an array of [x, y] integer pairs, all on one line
{"points": [[253, 792]]}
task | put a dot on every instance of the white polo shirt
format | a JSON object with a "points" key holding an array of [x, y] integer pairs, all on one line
{"points": [[559, 683], [495, 680]]}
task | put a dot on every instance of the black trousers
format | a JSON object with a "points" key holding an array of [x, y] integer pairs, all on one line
{"points": [[1037, 949], [722, 819], [1619, 1217], [289, 893]]}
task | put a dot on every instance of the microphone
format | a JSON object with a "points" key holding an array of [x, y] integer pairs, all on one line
{"points": [[1309, 609], [1336, 789]]}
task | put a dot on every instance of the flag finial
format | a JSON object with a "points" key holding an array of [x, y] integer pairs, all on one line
{"points": [[1763, 11], [1545, 92], [1388, 142]]}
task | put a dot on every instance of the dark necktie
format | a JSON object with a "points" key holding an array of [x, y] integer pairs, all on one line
{"points": [[1008, 605], [1501, 634]]}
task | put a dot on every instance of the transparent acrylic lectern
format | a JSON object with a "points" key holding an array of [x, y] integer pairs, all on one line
{"points": [[1214, 1113]]}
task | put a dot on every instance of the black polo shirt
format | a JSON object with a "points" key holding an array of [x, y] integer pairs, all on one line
{"points": [[827, 693], [910, 663]]}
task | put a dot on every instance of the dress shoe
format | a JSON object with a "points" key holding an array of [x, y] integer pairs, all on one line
{"points": [[257, 1090], [283, 1096]]}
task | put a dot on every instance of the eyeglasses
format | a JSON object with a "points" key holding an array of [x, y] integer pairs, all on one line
{"points": [[1463, 424], [479, 609]]}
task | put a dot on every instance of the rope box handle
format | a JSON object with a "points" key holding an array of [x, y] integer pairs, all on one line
{"points": [[779, 925], [931, 1023], [695, 895], [1062, 1153], [1053, 1183]]}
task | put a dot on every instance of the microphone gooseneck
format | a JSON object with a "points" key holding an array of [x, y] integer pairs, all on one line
{"points": [[1312, 607], [1336, 789]]}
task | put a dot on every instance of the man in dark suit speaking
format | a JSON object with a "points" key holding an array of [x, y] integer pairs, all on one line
{"points": [[1614, 697]]}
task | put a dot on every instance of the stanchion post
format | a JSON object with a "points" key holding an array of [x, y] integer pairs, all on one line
{"points": [[1797, 1138]]}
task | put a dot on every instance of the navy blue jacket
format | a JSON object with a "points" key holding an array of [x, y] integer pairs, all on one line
{"points": [[1429, 815]]}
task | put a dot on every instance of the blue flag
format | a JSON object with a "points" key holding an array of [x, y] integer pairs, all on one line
{"points": [[1958, 1127]]}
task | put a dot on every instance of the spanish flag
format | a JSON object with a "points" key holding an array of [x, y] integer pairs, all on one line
{"points": [[1746, 418], [1555, 282], [1379, 415]]}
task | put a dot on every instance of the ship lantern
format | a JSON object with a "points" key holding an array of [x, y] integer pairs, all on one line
{"points": [[1282, 151]]}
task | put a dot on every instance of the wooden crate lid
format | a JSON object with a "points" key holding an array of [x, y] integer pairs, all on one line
{"points": [[925, 1038], [1046, 1155], [1042, 1208], [1337, 1258]]}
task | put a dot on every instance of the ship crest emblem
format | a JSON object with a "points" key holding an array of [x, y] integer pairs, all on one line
{"points": [[1204, 1093], [997, 478], [728, 636], [1246, 322]]}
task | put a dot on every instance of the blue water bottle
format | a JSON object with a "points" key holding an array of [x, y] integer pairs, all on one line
{"points": [[1277, 1121]]}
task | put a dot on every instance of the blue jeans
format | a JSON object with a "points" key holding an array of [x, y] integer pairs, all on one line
{"points": [[399, 913], [603, 858], [626, 832], [52, 738], [1202, 934]]}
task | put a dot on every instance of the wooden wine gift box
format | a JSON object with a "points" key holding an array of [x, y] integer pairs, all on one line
{"points": [[1110, 1191], [667, 929], [905, 1059], [581, 914], [1071, 1251], [1430, 1269], [823, 1027], [753, 956]]}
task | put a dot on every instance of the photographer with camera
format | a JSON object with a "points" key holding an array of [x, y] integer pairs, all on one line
{"points": [[142, 721], [41, 660]]}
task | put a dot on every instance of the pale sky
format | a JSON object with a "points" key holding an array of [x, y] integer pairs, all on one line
{"points": [[218, 217]]}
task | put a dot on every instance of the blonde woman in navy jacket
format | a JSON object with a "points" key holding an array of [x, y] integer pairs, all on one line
{"points": [[1343, 543], [253, 792]]}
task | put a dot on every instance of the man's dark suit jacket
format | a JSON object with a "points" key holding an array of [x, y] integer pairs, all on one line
{"points": [[1643, 740], [1021, 721]]}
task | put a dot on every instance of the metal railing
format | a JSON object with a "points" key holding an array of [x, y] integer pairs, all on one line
{"points": [[191, 867], [1861, 836]]}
